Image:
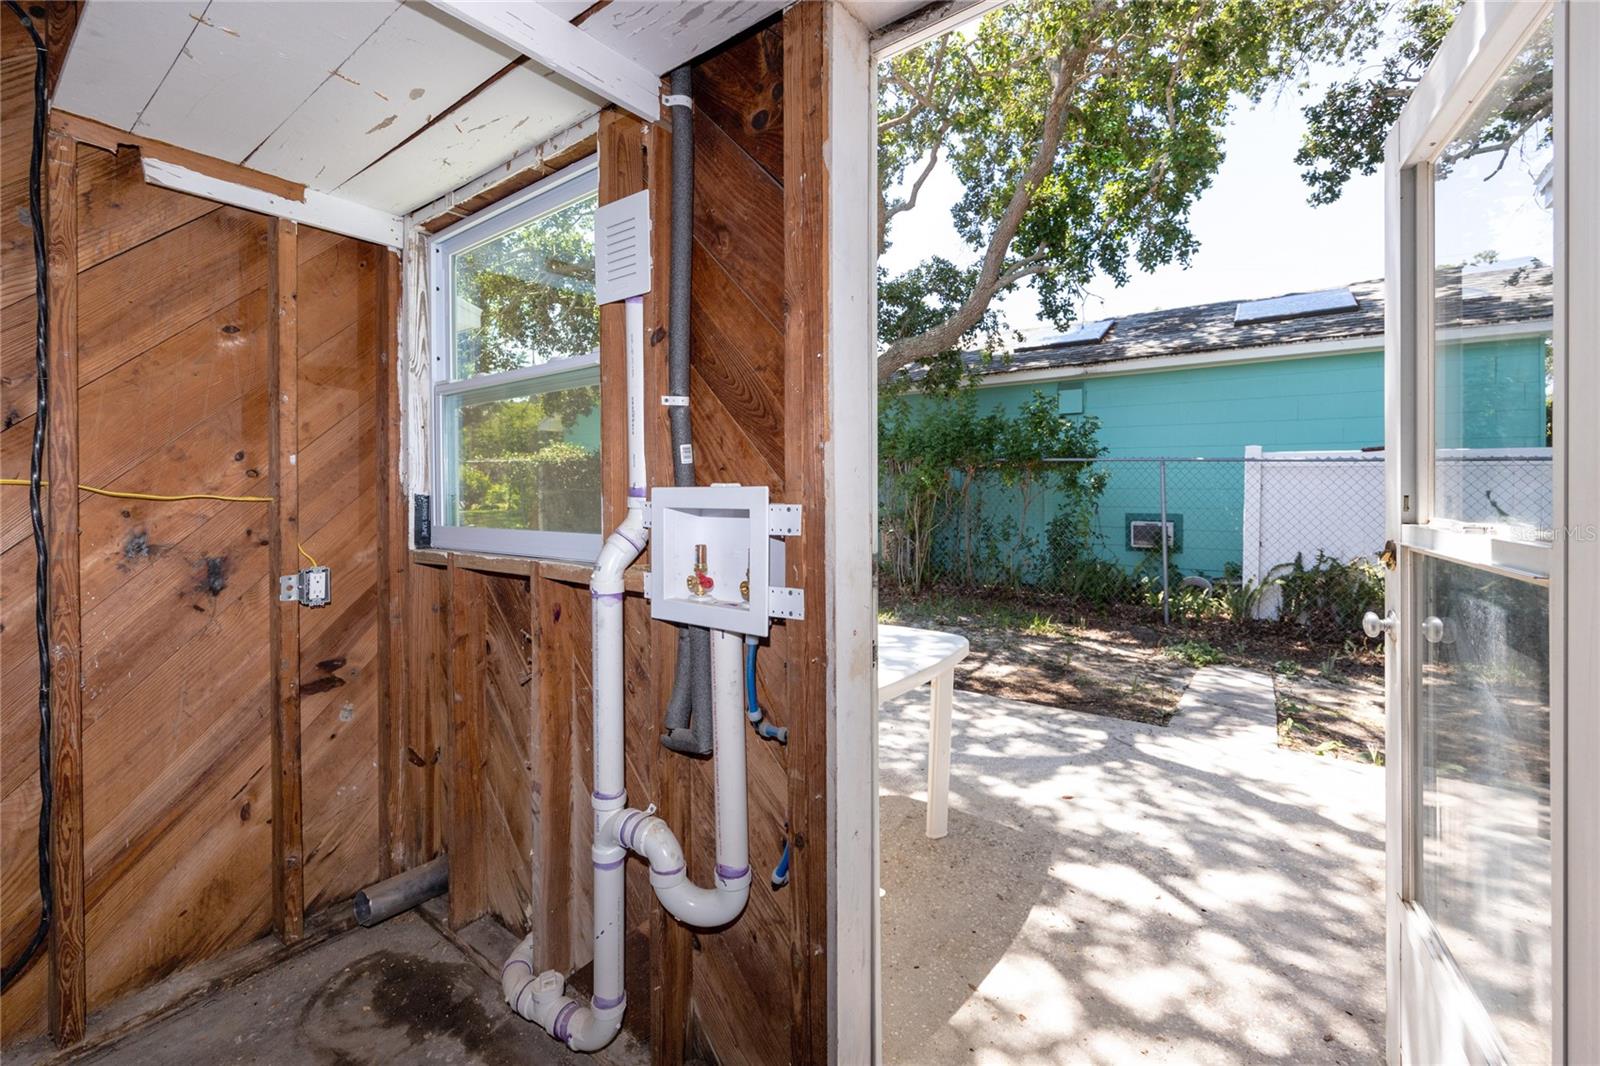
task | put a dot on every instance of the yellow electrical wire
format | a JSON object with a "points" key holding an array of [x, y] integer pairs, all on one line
{"points": [[120, 495]]}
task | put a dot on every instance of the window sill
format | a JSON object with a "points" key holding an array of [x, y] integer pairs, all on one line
{"points": [[521, 566]]}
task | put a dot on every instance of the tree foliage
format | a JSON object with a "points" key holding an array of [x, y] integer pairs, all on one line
{"points": [[1346, 128], [944, 465], [1082, 132], [531, 292], [523, 299]]}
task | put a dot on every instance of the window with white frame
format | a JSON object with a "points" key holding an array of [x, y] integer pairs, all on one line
{"points": [[516, 375]]}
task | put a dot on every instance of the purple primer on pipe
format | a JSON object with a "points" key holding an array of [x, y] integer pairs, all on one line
{"points": [[607, 797], [636, 545], [513, 962], [636, 492], [667, 873], [731, 873], [614, 596], [606, 1003], [612, 865], [559, 1028], [622, 831]]}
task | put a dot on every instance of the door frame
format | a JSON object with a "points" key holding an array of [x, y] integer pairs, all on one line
{"points": [[1482, 41]]}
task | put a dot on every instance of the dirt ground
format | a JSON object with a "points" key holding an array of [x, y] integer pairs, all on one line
{"points": [[1123, 664]]}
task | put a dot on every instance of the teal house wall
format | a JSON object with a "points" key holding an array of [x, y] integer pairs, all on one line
{"points": [[1491, 395]]}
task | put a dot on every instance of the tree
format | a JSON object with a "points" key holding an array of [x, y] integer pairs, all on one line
{"points": [[1082, 132], [1345, 129]]}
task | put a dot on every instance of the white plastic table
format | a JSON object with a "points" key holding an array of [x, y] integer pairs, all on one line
{"points": [[908, 658]]}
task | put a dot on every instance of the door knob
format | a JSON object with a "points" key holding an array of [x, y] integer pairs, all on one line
{"points": [[1436, 630], [1375, 627]]}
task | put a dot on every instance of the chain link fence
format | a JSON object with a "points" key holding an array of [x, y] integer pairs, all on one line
{"points": [[1295, 536]]}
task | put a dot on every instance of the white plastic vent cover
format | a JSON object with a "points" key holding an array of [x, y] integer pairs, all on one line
{"points": [[622, 248]]}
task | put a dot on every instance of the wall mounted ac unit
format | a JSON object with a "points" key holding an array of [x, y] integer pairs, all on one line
{"points": [[1145, 535]]}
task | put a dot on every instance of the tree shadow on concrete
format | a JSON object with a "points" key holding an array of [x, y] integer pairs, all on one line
{"points": [[1181, 897]]}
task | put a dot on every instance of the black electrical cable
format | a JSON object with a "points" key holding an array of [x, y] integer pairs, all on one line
{"points": [[41, 551]]}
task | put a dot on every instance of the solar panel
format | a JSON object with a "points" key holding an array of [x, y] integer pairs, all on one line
{"points": [[1082, 333], [1295, 305]]}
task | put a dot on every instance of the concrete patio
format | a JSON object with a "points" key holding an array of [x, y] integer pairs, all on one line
{"points": [[1114, 892]]}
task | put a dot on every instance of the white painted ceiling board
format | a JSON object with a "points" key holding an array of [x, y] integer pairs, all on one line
{"points": [[515, 112], [567, 9], [417, 64], [249, 65], [119, 56], [663, 34]]}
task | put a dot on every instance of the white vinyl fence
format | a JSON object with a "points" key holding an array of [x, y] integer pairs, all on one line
{"points": [[1303, 503]]}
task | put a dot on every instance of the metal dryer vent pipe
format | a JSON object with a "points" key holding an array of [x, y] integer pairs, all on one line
{"points": [[688, 718]]}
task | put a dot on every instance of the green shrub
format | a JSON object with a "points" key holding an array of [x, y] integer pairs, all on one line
{"points": [[1196, 653], [1330, 596]]}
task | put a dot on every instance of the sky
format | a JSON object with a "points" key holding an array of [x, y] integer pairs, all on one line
{"points": [[1258, 235]]}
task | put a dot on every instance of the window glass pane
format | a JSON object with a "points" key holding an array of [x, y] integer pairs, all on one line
{"points": [[520, 458], [1484, 745], [1494, 237], [527, 296]]}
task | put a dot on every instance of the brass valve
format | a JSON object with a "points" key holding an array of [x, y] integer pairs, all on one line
{"points": [[699, 582]]}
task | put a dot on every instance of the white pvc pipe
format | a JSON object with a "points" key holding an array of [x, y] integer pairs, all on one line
{"points": [[540, 998], [649, 836]]}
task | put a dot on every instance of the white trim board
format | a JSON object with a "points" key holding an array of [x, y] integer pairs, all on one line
{"points": [[924, 25], [1265, 353], [526, 159], [1474, 52], [850, 472], [318, 209], [549, 39]]}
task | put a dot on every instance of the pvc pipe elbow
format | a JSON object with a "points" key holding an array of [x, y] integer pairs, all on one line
{"points": [[704, 908], [586, 1028], [517, 978], [624, 545], [691, 904], [541, 999]]}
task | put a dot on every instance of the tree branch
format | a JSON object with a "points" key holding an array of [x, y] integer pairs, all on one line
{"points": [[991, 273], [887, 211]]}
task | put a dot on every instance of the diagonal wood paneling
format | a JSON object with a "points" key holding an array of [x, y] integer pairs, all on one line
{"points": [[738, 356], [508, 754], [337, 366], [175, 595], [738, 217], [741, 90]]}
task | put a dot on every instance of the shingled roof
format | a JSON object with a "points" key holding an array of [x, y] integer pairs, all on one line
{"points": [[1475, 297]]}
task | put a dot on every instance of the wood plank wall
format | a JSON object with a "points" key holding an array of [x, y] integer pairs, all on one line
{"points": [[172, 397], [756, 991]]}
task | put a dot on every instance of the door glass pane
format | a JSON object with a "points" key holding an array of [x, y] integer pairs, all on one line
{"points": [[518, 458], [527, 296], [1494, 238], [1484, 745]]}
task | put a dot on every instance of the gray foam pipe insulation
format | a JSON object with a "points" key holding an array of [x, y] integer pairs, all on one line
{"points": [[689, 708]]}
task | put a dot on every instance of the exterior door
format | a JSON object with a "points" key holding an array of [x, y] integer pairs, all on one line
{"points": [[1491, 472]]}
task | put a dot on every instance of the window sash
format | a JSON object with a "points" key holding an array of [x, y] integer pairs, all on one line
{"points": [[575, 371], [553, 193]]}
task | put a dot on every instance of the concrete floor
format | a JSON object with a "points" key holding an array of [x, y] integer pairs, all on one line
{"points": [[397, 995], [1112, 892]]}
